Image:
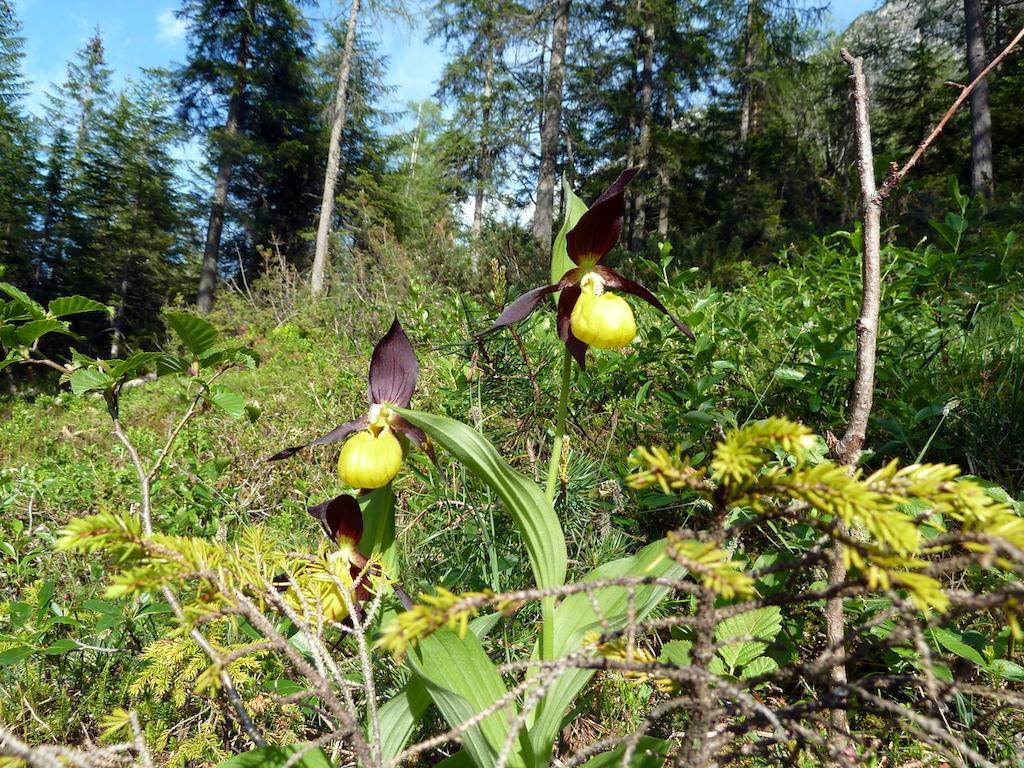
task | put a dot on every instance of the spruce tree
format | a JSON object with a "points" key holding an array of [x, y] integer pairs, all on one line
{"points": [[18, 145], [486, 82], [247, 85], [137, 215], [76, 110]]}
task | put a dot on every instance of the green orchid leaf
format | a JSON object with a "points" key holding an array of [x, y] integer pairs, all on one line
{"points": [[574, 209], [462, 681], [400, 715], [953, 643], [532, 512], [195, 333], [75, 305], [575, 617], [378, 508], [276, 757]]}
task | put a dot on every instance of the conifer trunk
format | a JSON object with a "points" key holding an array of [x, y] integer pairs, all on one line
{"points": [[545, 204], [323, 230], [643, 155], [746, 87], [664, 175], [208, 276], [982, 175]]}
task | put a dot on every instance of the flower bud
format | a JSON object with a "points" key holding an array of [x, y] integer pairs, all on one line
{"points": [[370, 461], [604, 321]]}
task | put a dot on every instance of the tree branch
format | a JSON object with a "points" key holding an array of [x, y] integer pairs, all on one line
{"points": [[896, 174]]}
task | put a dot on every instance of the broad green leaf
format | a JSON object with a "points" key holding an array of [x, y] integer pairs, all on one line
{"points": [[1006, 669], [59, 647], [75, 305], [735, 655], [788, 374], [952, 642], [29, 332], [677, 652], [378, 508], [575, 616], [227, 400], [20, 613], [236, 355], [169, 364], [574, 209], [953, 189], [13, 311], [195, 333], [12, 358], [761, 623], [759, 666], [14, 655], [22, 299], [650, 753], [131, 365], [463, 681], [276, 757], [533, 514], [400, 715], [87, 380]]}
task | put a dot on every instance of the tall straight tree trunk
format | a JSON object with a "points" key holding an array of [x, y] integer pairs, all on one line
{"points": [[747, 86], [643, 155], [323, 230], [544, 211], [664, 175], [208, 276], [981, 117], [483, 175]]}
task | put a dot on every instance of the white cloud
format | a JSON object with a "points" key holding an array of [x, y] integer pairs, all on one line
{"points": [[170, 28]]}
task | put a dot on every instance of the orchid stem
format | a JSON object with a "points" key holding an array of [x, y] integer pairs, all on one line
{"points": [[563, 409], [547, 605]]}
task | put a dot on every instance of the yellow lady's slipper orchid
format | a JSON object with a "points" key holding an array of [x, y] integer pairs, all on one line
{"points": [[370, 460], [588, 316], [373, 455]]}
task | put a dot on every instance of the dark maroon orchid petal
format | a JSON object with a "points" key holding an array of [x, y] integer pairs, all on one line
{"points": [[418, 438], [415, 434], [393, 368], [343, 431], [566, 301], [598, 229], [521, 308], [620, 282], [342, 519], [338, 433], [361, 573]]}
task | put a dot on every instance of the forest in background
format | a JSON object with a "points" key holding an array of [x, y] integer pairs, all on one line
{"points": [[733, 548], [738, 111]]}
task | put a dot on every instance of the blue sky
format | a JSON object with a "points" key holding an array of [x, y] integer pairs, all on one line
{"points": [[145, 33]]}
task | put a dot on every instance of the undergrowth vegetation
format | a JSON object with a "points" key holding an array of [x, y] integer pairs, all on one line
{"points": [[90, 645]]}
